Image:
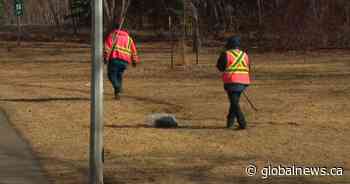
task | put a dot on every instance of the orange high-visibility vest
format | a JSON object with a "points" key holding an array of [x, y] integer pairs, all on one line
{"points": [[119, 45], [237, 67]]}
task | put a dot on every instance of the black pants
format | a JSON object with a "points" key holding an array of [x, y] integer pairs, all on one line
{"points": [[235, 111]]}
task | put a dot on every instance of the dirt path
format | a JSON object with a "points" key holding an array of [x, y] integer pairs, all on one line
{"points": [[304, 119]]}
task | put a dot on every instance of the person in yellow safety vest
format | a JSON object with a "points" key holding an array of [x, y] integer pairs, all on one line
{"points": [[119, 52], [234, 65]]}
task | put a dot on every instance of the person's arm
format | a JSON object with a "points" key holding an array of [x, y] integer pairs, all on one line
{"points": [[249, 66], [134, 56], [107, 48], [221, 63]]}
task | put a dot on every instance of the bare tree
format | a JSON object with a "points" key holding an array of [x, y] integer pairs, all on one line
{"points": [[52, 8], [260, 4], [195, 31], [115, 10]]}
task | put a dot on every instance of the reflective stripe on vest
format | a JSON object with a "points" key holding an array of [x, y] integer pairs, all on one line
{"points": [[121, 49], [239, 66]]}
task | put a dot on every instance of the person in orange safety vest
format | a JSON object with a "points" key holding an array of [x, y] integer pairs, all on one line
{"points": [[119, 52], [234, 65]]}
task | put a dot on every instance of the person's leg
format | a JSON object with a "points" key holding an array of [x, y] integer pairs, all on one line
{"points": [[239, 114], [121, 66], [235, 110], [112, 74], [231, 116], [115, 72]]}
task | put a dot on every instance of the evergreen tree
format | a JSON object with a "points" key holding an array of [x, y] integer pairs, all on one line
{"points": [[2, 9]]}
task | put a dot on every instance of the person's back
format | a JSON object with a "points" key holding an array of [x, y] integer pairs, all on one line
{"points": [[234, 65], [119, 52], [119, 45]]}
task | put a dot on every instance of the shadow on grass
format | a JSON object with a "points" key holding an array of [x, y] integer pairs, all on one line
{"points": [[174, 107], [175, 169], [126, 170], [68, 171], [44, 99], [48, 87], [179, 127]]}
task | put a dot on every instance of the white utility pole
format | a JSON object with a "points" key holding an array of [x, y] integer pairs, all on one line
{"points": [[96, 127]]}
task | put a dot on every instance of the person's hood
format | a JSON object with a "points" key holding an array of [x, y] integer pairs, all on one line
{"points": [[233, 42]]}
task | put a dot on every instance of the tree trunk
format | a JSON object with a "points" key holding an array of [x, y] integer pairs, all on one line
{"points": [[107, 11], [277, 3], [315, 8], [347, 15], [214, 18], [196, 30], [54, 14], [260, 4], [73, 18]]}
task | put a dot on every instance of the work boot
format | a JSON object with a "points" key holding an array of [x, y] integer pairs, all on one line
{"points": [[229, 123], [242, 124], [241, 120], [116, 96]]}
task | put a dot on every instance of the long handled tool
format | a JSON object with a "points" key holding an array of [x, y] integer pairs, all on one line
{"points": [[250, 102], [252, 73]]}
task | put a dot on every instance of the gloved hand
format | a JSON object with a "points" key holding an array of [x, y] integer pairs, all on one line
{"points": [[133, 64]]}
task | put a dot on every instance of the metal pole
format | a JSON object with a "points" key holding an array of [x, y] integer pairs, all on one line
{"points": [[96, 127]]}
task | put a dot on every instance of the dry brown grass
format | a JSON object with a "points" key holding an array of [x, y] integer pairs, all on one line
{"points": [[303, 117]]}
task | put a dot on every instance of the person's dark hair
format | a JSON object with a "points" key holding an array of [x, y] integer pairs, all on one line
{"points": [[233, 42]]}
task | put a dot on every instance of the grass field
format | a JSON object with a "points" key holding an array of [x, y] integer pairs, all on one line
{"points": [[304, 116]]}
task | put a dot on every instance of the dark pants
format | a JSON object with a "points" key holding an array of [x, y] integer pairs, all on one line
{"points": [[116, 69], [234, 92]]}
